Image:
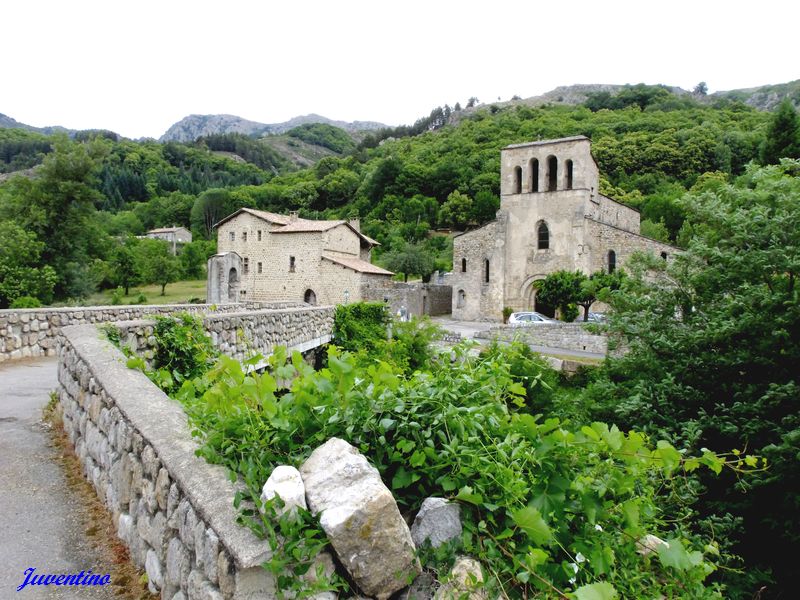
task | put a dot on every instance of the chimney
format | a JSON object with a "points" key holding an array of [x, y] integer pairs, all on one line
{"points": [[293, 216], [355, 223]]}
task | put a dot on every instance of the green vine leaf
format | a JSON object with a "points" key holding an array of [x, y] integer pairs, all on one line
{"points": [[596, 591]]}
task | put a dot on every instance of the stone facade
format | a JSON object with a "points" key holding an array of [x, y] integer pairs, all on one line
{"points": [[416, 298], [551, 217], [272, 257], [173, 510], [34, 331]]}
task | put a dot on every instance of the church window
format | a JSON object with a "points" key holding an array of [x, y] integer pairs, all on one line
{"points": [[552, 173], [486, 270], [534, 179], [259, 235], [568, 175], [463, 265], [259, 267], [244, 236], [543, 236], [517, 180], [291, 264], [612, 261], [232, 235]]}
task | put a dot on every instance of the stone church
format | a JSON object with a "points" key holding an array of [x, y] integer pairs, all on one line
{"points": [[267, 257], [551, 217]]}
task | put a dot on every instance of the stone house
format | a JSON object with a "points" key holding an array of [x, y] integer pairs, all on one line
{"points": [[176, 236], [267, 257], [551, 217]]}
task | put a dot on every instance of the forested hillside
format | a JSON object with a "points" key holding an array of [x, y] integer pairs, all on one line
{"points": [[651, 146]]}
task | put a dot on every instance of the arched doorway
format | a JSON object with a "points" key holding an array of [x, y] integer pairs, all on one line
{"points": [[530, 288], [233, 286], [310, 298]]}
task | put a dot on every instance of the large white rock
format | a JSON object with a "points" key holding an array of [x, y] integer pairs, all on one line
{"points": [[286, 483], [438, 521], [361, 518]]}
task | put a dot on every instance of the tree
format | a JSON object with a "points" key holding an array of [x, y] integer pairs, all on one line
{"points": [[19, 275], [209, 208], [193, 258], [701, 89], [597, 285], [713, 346], [783, 135], [123, 265], [562, 290], [156, 264], [457, 210], [411, 259]]}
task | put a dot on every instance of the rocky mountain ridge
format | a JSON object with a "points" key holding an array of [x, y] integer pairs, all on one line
{"points": [[192, 127]]}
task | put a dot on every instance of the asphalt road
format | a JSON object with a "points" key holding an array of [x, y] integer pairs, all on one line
{"points": [[42, 522]]}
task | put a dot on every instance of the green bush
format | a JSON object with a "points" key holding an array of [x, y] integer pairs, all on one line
{"points": [[361, 325], [117, 295], [183, 350], [141, 299], [26, 302]]}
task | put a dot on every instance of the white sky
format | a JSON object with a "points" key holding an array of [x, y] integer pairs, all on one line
{"points": [[136, 67]]}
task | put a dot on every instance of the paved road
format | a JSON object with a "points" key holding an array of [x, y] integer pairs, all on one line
{"points": [[468, 329], [42, 523]]}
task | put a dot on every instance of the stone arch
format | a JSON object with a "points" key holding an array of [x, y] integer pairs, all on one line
{"points": [[310, 297], [463, 265], [568, 174], [542, 236], [533, 180], [552, 173], [233, 285], [461, 299], [612, 261], [517, 180], [528, 293]]}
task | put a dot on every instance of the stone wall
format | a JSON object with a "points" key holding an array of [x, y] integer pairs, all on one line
{"points": [[34, 331], [417, 298], [173, 510], [240, 335], [568, 336], [475, 299]]}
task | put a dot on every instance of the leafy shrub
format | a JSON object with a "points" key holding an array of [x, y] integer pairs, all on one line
{"points": [[117, 295], [548, 508], [141, 299], [361, 325], [26, 302], [183, 350]]}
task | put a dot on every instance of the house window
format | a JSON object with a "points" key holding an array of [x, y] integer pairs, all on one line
{"points": [[244, 236], [568, 175], [612, 261], [463, 265], [552, 173], [543, 236], [486, 270], [291, 264], [259, 235], [259, 267], [232, 236], [534, 170], [246, 266]]}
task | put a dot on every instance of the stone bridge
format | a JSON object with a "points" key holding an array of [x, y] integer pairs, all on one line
{"points": [[172, 509]]}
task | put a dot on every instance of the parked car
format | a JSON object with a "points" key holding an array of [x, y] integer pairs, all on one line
{"points": [[596, 318], [528, 318]]}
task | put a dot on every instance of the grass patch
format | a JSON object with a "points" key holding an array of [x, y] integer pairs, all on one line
{"points": [[176, 293]]}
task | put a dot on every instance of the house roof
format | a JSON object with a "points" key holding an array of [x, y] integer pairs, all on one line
{"points": [[297, 225], [573, 138], [356, 264], [167, 229]]}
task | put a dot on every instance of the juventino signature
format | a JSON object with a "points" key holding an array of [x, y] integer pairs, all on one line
{"points": [[82, 578]]}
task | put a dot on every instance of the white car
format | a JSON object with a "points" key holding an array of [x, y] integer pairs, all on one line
{"points": [[528, 318]]}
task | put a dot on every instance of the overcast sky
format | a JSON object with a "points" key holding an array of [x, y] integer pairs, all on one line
{"points": [[136, 67]]}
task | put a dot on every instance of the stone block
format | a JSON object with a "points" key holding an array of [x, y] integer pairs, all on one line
{"points": [[361, 518], [254, 583], [162, 488], [199, 588], [210, 554], [287, 484], [438, 521], [155, 576], [465, 581], [179, 563]]}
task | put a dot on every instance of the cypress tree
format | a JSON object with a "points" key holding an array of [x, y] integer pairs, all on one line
{"points": [[783, 135]]}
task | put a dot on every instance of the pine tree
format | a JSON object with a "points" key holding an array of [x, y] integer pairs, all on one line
{"points": [[783, 135]]}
